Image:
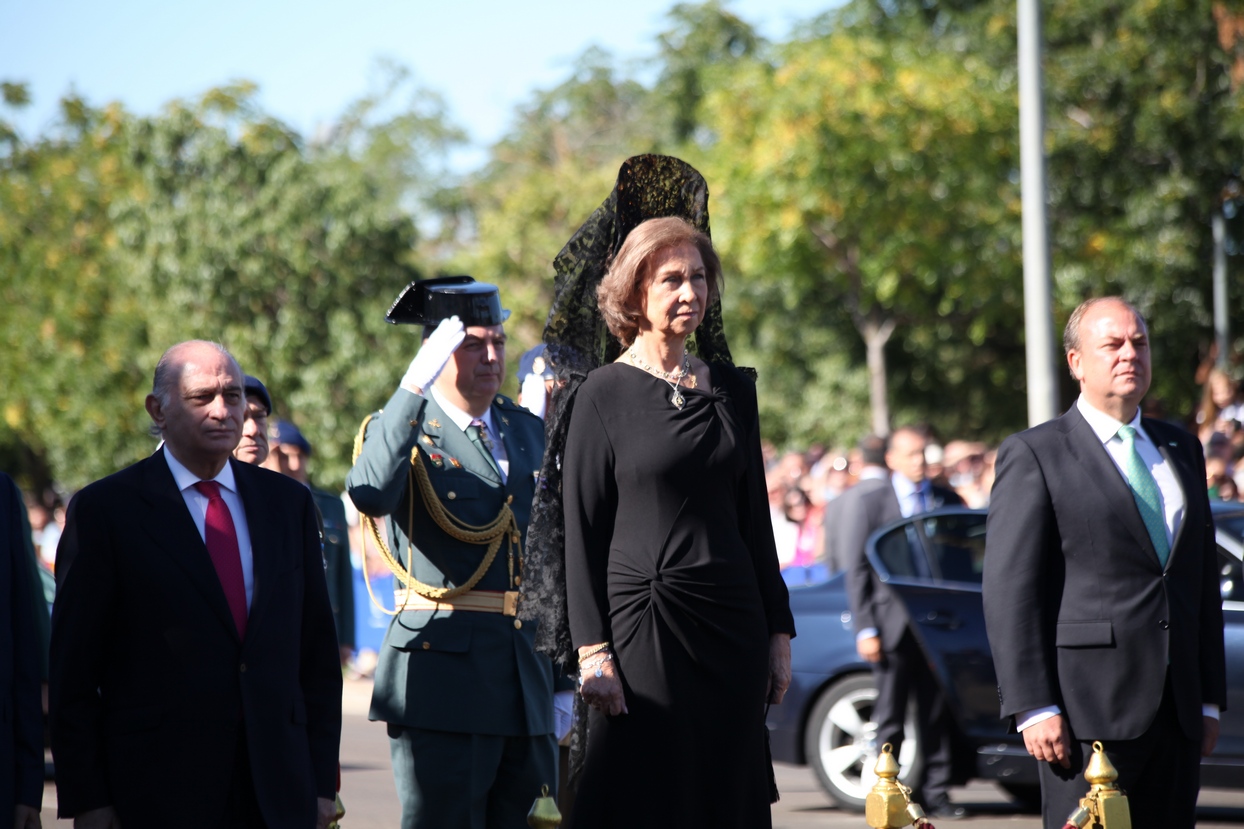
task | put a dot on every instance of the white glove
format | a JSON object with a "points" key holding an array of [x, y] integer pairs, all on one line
{"points": [[534, 395], [563, 713], [433, 355]]}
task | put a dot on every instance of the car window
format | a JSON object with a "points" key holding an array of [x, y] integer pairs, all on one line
{"points": [[956, 545], [902, 554], [1233, 524], [1230, 577]]}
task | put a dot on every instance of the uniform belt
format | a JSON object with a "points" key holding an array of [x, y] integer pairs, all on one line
{"points": [[480, 601]]}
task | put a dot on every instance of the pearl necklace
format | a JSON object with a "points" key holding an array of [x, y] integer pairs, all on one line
{"points": [[673, 378]]}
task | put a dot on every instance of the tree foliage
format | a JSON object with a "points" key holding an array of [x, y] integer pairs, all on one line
{"points": [[210, 220], [864, 179]]}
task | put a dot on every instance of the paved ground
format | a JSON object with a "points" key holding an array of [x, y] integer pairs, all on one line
{"points": [[371, 802]]}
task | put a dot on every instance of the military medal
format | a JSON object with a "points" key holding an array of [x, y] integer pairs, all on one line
{"points": [[455, 463], [434, 423], [427, 439], [437, 461]]}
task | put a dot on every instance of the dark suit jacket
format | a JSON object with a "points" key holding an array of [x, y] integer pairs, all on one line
{"points": [[1080, 612], [335, 534], [21, 713], [866, 507], [150, 682], [465, 671]]}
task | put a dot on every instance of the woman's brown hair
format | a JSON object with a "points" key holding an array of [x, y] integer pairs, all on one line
{"points": [[619, 293]]}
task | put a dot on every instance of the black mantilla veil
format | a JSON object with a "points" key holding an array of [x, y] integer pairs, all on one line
{"points": [[576, 342]]}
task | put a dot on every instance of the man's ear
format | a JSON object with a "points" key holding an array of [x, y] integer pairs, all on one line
{"points": [[1073, 363], [155, 410]]}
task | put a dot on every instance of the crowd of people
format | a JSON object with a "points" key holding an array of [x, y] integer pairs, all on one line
{"points": [[802, 484]]}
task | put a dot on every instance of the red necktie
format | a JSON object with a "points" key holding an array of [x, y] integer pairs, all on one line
{"points": [[222, 545]]}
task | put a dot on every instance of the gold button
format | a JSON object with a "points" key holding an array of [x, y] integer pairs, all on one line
{"points": [[518, 624], [414, 423], [427, 646], [242, 668], [518, 580], [452, 495], [498, 401]]}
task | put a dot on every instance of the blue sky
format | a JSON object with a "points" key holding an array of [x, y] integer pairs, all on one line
{"points": [[311, 58]]}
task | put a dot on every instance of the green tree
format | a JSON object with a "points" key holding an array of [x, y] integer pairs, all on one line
{"points": [[868, 185]]}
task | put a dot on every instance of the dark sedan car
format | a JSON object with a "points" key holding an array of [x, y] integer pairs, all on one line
{"points": [[934, 563]]}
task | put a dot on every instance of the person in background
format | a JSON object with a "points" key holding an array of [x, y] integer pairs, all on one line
{"points": [[1220, 401], [535, 381], [21, 738], [194, 679], [290, 454], [883, 631], [253, 447]]}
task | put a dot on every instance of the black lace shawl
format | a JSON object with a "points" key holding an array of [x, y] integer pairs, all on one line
{"points": [[576, 342]]}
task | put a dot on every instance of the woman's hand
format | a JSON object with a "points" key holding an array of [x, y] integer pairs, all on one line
{"points": [[604, 692], [779, 667]]}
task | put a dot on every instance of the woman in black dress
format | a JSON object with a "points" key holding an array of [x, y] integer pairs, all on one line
{"points": [[677, 608]]}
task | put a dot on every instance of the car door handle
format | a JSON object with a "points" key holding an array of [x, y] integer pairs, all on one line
{"points": [[941, 619]]}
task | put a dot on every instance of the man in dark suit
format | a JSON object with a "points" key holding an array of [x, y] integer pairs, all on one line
{"points": [[21, 739], [468, 702], [194, 677], [883, 634], [290, 455], [1101, 592]]}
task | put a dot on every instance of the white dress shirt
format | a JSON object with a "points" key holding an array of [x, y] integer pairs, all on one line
{"points": [[463, 419], [912, 498], [1106, 428], [197, 502]]}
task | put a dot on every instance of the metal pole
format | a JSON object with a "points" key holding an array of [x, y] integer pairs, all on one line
{"points": [[1222, 332], [1038, 313]]}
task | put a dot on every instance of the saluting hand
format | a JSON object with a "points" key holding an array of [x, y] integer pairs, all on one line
{"points": [[433, 355]]}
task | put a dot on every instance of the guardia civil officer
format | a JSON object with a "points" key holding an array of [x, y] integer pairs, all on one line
{"points": [[452, 465]]}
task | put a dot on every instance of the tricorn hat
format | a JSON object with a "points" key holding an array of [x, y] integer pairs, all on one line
{"points": [[428, 301]]}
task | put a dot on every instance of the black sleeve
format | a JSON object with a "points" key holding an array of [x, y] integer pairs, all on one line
{"points": [[27, 708], [590, 496], [753, 509]]}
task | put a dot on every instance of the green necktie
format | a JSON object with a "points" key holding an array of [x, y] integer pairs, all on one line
{"points": [[1145, 491], [478, 433]]}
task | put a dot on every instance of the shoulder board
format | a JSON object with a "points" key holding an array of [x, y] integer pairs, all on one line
{"points": [[505, 403]]}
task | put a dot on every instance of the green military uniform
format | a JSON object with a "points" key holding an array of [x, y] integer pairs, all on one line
{"points": [[456, 686], [335, 535]]}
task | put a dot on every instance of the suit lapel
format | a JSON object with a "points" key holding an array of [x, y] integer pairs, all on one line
{"points": [[515, 452], [264, 539], [169, 525], [1101, 471]]}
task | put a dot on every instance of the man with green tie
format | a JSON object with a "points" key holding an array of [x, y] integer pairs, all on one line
{"points": [[1101, 585], [452, 465]]}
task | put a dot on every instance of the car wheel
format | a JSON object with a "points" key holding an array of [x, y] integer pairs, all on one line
{"points": [[841, 741]]}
